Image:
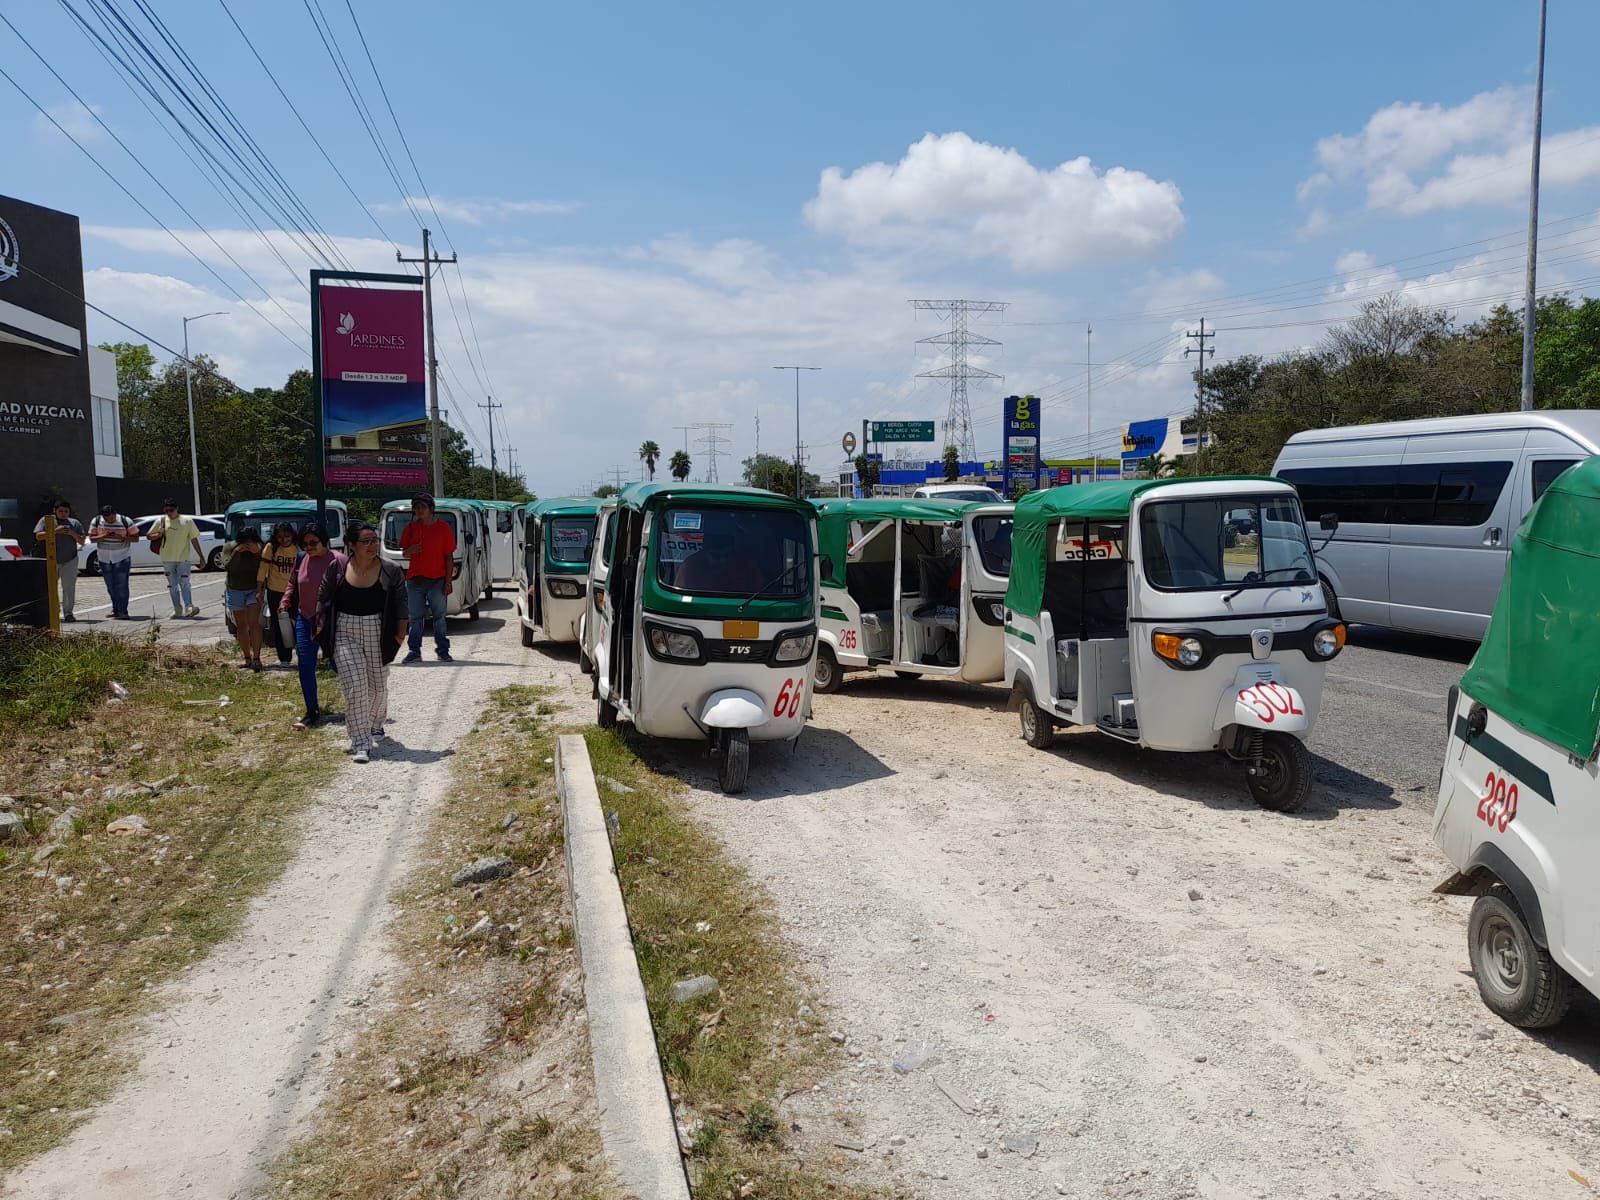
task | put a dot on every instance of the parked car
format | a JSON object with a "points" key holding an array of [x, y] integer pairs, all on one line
{"points": [[10, 548], [145, 558], [1427, 509], [958, 491]]}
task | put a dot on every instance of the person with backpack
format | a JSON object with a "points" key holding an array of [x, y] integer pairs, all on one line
{"points": [[277, 562], [69, 536], [113, 536]]}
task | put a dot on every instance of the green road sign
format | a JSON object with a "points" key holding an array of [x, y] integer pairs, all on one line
{"points": [[902, 431]]}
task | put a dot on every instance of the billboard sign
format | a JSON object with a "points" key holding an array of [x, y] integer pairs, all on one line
{"points": [[902, 431], [1020, 455], [1141, 439], [372, 386]]}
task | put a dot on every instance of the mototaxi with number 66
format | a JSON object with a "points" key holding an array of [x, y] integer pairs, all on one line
{"points": [[1176, 614], [707, 625]]}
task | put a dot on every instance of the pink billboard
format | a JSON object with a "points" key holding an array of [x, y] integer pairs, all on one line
{"points": [[373, 388]]}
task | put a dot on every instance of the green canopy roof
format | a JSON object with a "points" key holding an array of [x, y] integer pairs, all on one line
{"points": [[581, 505], [278, 506], [834, 518], [654, 495], [1111, 500], [1539, 664]]}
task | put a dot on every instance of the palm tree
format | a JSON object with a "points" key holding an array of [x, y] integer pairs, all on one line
{"points": [[1158, 466], [680, 465], [649, 452]]}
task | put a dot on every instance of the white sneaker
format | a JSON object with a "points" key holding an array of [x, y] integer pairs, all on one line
{"points": [[361, 757], [194, 611]]}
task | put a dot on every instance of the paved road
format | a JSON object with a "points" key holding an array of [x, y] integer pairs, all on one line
{"points": [[1381, 733], [147, 601]]}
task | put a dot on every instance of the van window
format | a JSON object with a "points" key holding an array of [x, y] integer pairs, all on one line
{"points": [[502, 520], [1545, 471], [1457, 494]]}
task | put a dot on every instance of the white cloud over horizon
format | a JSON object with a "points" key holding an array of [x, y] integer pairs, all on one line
{"points": [[968, 199], [478, 211]]}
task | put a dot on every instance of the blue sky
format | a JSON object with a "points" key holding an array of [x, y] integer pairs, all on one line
{"points": [[655, 204]]}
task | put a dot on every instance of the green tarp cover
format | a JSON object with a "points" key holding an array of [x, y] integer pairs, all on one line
{"points": [[1109, 501], [646, 495], [834, 518], [1539, 664], [582, 505]]}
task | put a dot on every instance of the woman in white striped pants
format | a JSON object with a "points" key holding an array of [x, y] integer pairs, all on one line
{"points": [[362, 621]]}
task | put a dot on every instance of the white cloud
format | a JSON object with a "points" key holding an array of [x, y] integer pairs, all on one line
{"points": [[476, 212], [1317, 224], [76, 119], [955, 196], [1414, 159], [1161, 293]]}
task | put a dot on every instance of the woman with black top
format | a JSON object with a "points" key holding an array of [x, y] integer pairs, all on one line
{"points": [[361, 621]]}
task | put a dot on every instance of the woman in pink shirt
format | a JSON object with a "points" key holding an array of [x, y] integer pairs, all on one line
{"points": [[300, 601]]}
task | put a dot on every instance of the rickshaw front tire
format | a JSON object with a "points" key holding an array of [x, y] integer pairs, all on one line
{"points": [[1038, 728], [1330, 600], [734, 771], [827, 676], [605, 714], [585, 664], [472, 612], [1286, 785], [527, 636]]}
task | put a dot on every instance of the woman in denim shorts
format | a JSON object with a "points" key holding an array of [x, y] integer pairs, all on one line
{"points": [[242, 594]]}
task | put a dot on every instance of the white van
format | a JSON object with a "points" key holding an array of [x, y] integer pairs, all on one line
{"points": [[1427, 509], [469, 521], [958, 491]]}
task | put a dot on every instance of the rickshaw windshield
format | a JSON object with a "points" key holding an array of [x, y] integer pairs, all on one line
{"points": [[724, 552], [571, 539], [993, 535], [1225, 542]]}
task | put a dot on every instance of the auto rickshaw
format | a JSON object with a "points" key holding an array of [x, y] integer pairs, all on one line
{"points": [[555, 540], [708, 623], [605, 532], [1517, 814], [917, 586], [1178, 614]]}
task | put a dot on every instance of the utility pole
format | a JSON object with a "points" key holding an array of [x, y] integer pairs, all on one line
{"points": [[799, 488], [494, 469], [1088, 391], [429, 260], [958, 422], [1199, 376], [1529, 301]]}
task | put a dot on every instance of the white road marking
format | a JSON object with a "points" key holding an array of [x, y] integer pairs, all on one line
{"points": [[195, 584], [1391, 687]]}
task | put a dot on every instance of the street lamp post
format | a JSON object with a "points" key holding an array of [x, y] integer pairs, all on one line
{"points": [[799, 488], [188, 390], [1530, 301]]}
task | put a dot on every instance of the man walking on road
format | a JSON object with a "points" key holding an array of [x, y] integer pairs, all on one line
{"points": [[69, 536], [429, 548], [113, 536], [178, 535]]}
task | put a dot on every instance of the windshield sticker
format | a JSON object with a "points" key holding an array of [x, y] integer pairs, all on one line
{"points": [[686, 521], [675, 547]]}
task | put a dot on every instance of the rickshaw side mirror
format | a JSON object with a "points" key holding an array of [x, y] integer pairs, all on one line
{"points": [[827, 566], [1329, 522], [1477, 720]]}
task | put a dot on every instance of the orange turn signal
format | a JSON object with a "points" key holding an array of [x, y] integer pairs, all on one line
{"points": [[1166, 645]]}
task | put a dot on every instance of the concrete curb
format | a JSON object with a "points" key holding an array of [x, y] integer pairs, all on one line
{"points": [[636, 1123]]}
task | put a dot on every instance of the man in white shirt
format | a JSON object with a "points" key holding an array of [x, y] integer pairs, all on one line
{"points": [[113, 536], [69, 536]]}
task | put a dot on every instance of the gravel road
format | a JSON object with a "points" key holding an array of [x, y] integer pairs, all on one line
{"points": [[1113, 955], [242, 1050]]}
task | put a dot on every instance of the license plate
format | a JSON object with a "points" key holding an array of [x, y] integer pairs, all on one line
{"points": [[741, 631]]}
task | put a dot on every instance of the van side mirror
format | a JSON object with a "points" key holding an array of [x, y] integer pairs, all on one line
{"points": [[1329, 522]]}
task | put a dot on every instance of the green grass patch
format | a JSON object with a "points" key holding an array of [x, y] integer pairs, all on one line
{"points": [[732, 1056], [92, 923]]}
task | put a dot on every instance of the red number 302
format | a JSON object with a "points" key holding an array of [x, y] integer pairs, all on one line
{"points": [[1498, 806], [790, 698]]}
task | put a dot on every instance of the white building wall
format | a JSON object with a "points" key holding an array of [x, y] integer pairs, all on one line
{"points": [[106, 412]]}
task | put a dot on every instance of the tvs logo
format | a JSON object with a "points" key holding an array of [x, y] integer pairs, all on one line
{"points": [[347, 323], [10, 255]]}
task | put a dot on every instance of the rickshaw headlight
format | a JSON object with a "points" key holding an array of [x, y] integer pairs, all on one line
{"points": [[1328, 642], [1178, 649], [564, 589], [674, 643], [797, 647]]}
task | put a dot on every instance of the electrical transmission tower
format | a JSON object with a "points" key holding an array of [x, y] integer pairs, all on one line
{"points": [[713, 442], [960, 339]]}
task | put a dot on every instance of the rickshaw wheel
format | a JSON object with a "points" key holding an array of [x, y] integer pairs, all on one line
{"points": [[527, 636], [606, 715], [585, 666], [1517, 978], [1038, 730], [734, 772], [1282, 782], [472, 613], [828, 677]]}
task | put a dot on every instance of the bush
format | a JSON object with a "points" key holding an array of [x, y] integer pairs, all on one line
{"points": [[55, 679]]}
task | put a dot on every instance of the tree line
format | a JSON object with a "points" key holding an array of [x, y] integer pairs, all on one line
{"points": [[252, 444], [1394, 361]]}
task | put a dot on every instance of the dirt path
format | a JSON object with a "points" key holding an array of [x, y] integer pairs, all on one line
{"points": [[1305, 1027], [243, 1049]]}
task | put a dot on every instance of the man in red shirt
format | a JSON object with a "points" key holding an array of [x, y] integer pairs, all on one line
{"points": [[429, 547]]}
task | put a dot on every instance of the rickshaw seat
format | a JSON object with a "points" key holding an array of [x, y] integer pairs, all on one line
{"points": [[871, 585]]}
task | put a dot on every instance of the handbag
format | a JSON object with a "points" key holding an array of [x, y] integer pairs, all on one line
{"points": [[156, 539]]}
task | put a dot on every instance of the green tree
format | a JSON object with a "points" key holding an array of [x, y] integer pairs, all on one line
{"points": [[952, 463], [680, 465], [606, 489], [649, 452], [868, 473], [777, 475]]}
